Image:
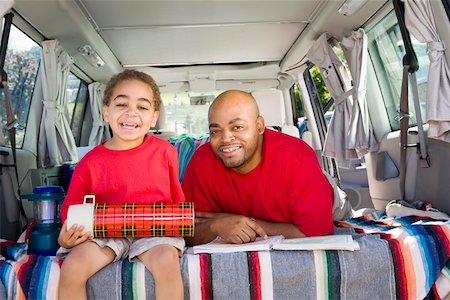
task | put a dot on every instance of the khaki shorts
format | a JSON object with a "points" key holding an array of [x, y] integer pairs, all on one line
{"points": [[132, 247]]}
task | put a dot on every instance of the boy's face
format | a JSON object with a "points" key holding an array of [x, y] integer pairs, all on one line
{"points": [[130, 114]]}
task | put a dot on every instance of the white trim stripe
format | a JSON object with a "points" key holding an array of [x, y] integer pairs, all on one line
{"points": [[195, 289], [320, 261], [265, 265]]}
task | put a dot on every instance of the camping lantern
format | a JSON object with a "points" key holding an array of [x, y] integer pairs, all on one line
{"points": [[43, 239]]}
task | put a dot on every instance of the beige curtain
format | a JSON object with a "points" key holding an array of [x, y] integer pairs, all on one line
{"points": [[56, 143], [350, 134], [420, 22], [360, 133], [100, 129], [339, 84]]}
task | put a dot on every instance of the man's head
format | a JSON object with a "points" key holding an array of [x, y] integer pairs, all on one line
{"points": [[236, 130]]}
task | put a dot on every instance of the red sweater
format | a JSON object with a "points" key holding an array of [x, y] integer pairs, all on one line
{"points": [[288, 186], [145, 174]]}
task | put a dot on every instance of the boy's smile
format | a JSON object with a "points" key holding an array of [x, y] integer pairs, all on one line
{"points": [[130, 114]]}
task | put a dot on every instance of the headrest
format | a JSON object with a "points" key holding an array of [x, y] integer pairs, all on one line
{"points": [[271, 107], [161, 122]]}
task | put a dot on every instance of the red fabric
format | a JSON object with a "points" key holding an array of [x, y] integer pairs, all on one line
{"points": [[143, 220], [145, 174], [206, 276], [255, 275], [288, 186]]}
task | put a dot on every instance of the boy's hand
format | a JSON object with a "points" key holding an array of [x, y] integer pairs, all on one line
{"points": [[69, 238]]}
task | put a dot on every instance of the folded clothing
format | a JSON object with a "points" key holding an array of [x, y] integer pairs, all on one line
{"points": [[401, 208]]}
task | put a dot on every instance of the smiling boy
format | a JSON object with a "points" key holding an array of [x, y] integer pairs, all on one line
{"points": [[131, 167]]}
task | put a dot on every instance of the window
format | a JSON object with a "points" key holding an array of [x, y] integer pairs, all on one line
{"points": [[321, 87], [299, 113], [77, 94], [386, 51], [325, 98], [187, 112], [22, 60], [446, 4]]}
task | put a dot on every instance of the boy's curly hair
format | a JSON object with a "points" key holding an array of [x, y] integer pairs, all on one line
{"points": [[130, 74]]}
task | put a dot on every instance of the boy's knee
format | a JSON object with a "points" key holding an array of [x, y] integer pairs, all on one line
{"points": [[161, 258], [71, 266]]}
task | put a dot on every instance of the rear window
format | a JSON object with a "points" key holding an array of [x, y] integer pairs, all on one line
{"points": [[187, 112]]}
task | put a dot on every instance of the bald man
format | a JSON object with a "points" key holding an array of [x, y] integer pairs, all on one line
{"points": [[249, 181]]}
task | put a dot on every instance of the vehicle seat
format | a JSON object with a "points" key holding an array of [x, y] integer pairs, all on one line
{"points": [[160, 124], [271, 107]]}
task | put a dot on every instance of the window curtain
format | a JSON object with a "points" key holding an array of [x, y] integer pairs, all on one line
{"points": [[360, 133], [420, 22], [56, 143], [339, 85], [350, 133], [100, 129]]}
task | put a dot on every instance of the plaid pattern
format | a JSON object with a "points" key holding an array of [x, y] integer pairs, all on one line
{"points": [[143, 220]]}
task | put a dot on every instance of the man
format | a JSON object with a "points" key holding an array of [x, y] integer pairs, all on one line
{"points": [[249, 181]]}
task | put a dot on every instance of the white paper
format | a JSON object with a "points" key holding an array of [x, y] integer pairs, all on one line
{"points": [[327, 242], [220, 246]]}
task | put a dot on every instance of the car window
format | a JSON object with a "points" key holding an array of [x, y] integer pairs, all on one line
{"points": [[22, 60], [77, 95], [187, 112], [386, 51]]}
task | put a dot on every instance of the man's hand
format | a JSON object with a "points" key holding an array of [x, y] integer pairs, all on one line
{"points": [[69, 238], [235, 229]]}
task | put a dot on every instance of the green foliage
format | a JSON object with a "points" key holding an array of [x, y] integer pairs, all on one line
{"points": [[321, 87], [21, 68], [298, 102]]}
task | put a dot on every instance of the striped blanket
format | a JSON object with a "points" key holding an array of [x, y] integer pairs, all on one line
{"points": [[186, 146], [402, 258]]}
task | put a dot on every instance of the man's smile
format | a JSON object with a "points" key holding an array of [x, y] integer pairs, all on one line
{"points": [[230, 148]]}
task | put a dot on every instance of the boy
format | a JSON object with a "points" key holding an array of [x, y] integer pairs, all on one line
{"points": [[131, 167]]}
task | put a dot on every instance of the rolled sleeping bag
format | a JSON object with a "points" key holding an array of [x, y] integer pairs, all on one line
{"points": [[132, 220]]}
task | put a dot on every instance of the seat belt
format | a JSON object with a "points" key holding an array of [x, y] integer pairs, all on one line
{"points": [[404, 122], [410, 66], [424, 157]]}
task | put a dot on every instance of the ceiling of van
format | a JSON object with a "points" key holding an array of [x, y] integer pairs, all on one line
{"points": [[253, 40], [153, 33]]}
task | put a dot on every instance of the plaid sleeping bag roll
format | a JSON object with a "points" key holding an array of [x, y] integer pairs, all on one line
{"points": [[143, 220]]}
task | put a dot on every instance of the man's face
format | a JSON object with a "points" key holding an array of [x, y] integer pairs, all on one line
{"points": [[130, 113], [236, 135]]}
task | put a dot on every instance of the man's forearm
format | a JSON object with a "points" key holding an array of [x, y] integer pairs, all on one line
{"points": [[286, 229]]}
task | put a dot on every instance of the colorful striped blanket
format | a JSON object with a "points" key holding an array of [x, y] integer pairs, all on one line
{"points": [[402, 258], [186, 146]]}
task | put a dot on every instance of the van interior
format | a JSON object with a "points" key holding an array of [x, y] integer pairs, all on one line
{"points": [[331, 73]]}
